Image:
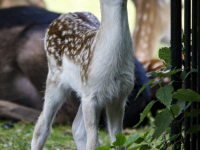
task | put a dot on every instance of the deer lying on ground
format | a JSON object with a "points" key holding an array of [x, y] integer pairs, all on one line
{"points": [[152, 27], [95, 62]]}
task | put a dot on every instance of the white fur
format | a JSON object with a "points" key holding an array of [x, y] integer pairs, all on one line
{"points": [[110, 80]]}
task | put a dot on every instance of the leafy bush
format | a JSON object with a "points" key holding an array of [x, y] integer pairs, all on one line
{"points": [[165, 116]]}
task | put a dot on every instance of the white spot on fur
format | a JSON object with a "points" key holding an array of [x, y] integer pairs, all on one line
{"points": [[142, 33], [66, 41], [60, 27], [59, 41], [144, 45], [144, 17], [69, 31], [64, 33], [147, 5], [66, 49]]}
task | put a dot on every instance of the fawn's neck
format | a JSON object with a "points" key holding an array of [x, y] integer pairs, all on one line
{"points": [[114, 31]]}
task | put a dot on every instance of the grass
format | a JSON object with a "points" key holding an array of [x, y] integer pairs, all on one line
{"points": [[19, 137]]}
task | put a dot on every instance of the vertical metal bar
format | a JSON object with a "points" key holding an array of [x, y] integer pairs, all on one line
{"points": [[194, 65], [198, 75], [187, 25], [176, 57]]}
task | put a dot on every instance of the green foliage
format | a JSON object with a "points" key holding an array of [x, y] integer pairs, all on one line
{"points": [[184, 75], [160, 139], [164, 94], [165, 54], [175, 109], [19, 137], [172, 72], [194, 129], [186, 95], [145, 112], [193, 113], [120, 140], [143, 87], [162, 121], [131, 139]]}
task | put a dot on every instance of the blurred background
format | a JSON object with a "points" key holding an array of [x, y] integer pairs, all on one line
{"points": [[93, 6], [149, 22], [23, 64]]}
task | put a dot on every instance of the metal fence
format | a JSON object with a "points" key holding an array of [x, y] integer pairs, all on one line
{"points": [[191, 32]]}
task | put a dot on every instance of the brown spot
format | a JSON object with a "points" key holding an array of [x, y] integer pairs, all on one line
{"points": [[72, 35]]}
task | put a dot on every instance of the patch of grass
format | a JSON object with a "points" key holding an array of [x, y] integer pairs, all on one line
{"points": [[19, 137]]}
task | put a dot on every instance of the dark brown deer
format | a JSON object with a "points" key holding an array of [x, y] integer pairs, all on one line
{"points": [[11, 3], [23, 65]]}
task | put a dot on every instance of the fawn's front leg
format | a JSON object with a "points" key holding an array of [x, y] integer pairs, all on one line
{"points": [[115, 115], [91, 114]]}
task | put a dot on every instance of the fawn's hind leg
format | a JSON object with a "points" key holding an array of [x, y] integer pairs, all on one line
{"points": [[79, 131], [54, 98]]}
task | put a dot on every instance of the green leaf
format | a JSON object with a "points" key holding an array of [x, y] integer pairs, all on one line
{"points": [[152, 74], [174, 137], [157, 73], [194, 129], [152, 138], [191, 71], [136, 147], [193, 113], [181, 105], [168, 130], [188, 105], [175, 109], [186, 95], [131, 139], [145, 135], [183, 75], [160, 144], [162, 121], [165, 54], [172, 72], [139, 140], [143, 87], [145, 112], [103, 148], [120, 140], [164, 94], [154, 84], [145, 147]]}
